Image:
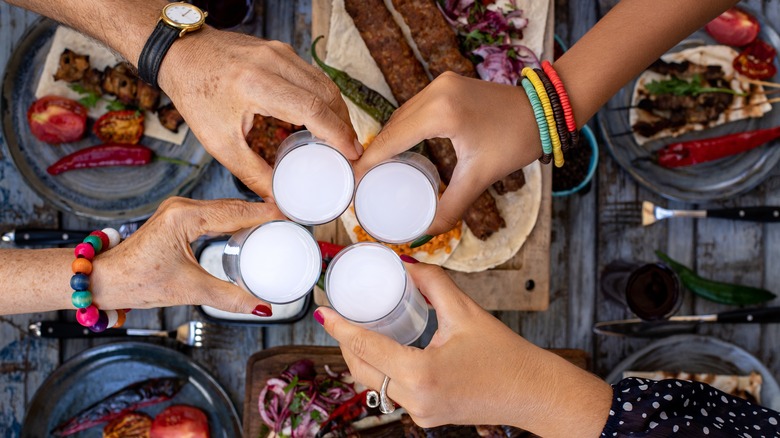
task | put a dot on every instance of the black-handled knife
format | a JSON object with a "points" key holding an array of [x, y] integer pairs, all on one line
{"points": [[44, 237], [70, 330], [684, 323], [757, 214]]}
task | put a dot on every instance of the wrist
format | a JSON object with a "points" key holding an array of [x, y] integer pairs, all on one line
{"points": [[180, 59]]}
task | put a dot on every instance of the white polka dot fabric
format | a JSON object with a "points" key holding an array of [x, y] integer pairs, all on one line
{"points": [[678, 408]]}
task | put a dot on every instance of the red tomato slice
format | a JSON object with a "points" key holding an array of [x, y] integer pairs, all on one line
{"points": [[56, 120], [180, 421], [123, 127], [734, 27], [756, 61]]}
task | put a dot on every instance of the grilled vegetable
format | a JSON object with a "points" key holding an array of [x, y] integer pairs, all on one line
{"points": [[135, 396], [688, 153], [719, 292], [756, 61], [56, 120], [371, 101], [123, 127], [108, 155], [180, 421], [130, 425], [734, 27]]}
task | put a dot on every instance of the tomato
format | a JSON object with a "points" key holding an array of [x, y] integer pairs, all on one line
{"points": [[734, 27], [56, 120], [756, 61], [180, 421], [123, 127]]}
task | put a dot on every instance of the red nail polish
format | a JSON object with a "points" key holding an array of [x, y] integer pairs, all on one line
{"points": [[426, 300], [262, 310], [409, 259], [318, 317]]}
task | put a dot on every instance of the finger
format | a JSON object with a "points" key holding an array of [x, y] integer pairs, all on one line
{"points": [[444, 295], [211, 291], [221, 216], [460, 194]]}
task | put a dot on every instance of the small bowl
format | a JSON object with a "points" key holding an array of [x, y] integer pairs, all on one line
{"points": [[590, 141]]}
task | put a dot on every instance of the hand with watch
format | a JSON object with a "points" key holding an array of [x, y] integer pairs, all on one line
{"points": [[219, 80]]}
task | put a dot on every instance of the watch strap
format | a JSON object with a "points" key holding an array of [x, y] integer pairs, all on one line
{"points": [[154, 51]]}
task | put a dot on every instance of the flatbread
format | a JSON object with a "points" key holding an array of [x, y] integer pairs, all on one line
{"points": [[100, 57], [347, 51], [702, 55], [739, 386]]}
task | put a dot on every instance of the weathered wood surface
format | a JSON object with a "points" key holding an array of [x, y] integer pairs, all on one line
{"points": [[582, 243]]}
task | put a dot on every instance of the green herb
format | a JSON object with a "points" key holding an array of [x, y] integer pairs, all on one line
{"points": [[295, 421], [719, 292], [292, 385], [681, 87], [315, 415], [116, 105], [89, 98]]}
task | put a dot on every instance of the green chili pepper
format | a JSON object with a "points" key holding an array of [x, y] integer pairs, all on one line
{"points": [[719, 292], [371, 101]]}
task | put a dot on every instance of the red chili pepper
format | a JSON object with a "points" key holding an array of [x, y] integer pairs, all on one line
{"points": [[107, 155], [688, 153], [756, 61], [329, 250], [348, 412], [125, 127]]}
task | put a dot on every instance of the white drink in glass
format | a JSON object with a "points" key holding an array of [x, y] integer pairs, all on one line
{"points": [[278, 261], [312, 182], [367, 284], [395, 202]]}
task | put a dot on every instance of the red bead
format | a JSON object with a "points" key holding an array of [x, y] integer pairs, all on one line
{"points": [[84, 250], [88, 316], [103, 238]]}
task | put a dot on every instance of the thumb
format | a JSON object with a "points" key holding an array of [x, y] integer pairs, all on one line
{"points": [[457, 198], [228, 297]]}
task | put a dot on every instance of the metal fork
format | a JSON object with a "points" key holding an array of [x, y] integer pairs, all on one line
{"points": [[192, 333]]}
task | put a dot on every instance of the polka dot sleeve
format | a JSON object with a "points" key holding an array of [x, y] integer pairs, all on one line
{"points": [[648, 408]]}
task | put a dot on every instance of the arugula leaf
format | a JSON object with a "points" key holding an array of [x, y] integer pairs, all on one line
{"points": [[115, 105], [681, 87], [90, 98]]}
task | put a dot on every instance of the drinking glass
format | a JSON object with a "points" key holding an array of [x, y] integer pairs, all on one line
{"points": [[278, 261], [312, 183], [395, 201], [226, 14], [652, 291], [367, 284]]}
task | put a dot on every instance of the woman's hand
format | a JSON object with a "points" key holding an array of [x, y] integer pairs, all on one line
{"points": [[219, 80], [474, 371], [155, 267], [491, 127]]}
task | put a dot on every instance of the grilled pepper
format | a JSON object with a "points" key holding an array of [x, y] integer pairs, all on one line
{"points": [[140, 394], [108, 155], [719, 292], [688, 153], [125, 127]]}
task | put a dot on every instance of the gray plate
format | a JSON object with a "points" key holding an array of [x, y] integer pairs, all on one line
{"points": [[111, 194], [699, 354], [100, 371], [716, 180]]}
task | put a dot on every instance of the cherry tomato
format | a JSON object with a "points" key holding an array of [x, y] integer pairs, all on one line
{"points": [[123, 127], [734, 27], [180, 421], [756, 61], [56, 120]]}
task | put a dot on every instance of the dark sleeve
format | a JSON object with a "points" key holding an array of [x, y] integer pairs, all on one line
{"points": [[649, 408]]}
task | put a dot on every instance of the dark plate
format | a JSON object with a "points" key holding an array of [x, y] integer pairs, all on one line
{"points": [[699, 354], [716, 180], [112, 194], [100, 371]]}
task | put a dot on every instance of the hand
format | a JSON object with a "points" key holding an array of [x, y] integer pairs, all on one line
{"points": [[491, 127], [219, 80], [474, 371], [155, 267]]}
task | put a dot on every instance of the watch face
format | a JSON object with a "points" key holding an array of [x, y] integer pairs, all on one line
{"points": [[183, 13]]}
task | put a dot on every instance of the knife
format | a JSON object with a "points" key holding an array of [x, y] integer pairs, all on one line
{"points": [[49, 237], [684, 323]]}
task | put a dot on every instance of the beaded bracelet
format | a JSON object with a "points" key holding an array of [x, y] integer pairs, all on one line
{"points": [[548, 114], [558, 114], [544, 133], [571, 124], [87, 313]]}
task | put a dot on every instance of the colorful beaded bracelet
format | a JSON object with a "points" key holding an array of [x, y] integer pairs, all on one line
{"points": [[87, 313], [555, 103], [541, 121], [548, 114], [571, 124]]}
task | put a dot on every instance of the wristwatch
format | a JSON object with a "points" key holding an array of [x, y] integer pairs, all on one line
{"points": [[176, 20]]}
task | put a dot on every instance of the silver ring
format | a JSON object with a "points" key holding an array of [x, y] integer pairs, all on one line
{"points": [[386, 406], [372, 399]]}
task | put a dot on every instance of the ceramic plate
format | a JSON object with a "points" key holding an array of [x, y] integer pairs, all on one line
{"points": [[108, 194], [100, 371], [715, 180], [699, 354]]}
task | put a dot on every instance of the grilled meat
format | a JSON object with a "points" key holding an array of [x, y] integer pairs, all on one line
{"points": [[120, 81], [147, 96], [72, 66], [93, 81], [170, 117], [267, 134], [512, 182]]}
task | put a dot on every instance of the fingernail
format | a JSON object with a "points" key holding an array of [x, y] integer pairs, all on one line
{"points": [[359, 148], [318, 317], [409, 259], [262, 310], [421, 241], [426, 300]]}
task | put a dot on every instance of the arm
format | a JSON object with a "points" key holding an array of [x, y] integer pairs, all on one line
{"points": [[492, 126], [475, 370], [218, 80], [154, 267]]}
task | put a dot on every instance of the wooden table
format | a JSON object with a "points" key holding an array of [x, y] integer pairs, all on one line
{"points": [[741, 252]]}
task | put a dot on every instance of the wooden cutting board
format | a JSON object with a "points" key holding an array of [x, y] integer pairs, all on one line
{"points": [[269, 363], [500, 288]]}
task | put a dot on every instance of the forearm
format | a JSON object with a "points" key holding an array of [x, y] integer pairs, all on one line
{"points": [[623, 43], [35, 280]]}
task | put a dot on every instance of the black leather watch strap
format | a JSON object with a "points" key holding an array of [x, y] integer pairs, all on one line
{"points": [[154, 51]]}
